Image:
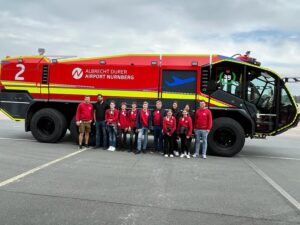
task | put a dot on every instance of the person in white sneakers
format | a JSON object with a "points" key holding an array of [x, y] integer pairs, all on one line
{"points": [[169, 128], [111, 119], [184, 131], [203, 124]]}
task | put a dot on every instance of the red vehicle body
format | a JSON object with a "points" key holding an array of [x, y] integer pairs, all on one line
{"points": [[246, 100]]}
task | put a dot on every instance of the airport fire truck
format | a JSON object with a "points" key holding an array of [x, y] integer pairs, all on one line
{"points": [[246, 99]]}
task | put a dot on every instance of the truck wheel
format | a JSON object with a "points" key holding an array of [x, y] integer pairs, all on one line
{"points": [[226, 138], [75, 133], [48, 125]]}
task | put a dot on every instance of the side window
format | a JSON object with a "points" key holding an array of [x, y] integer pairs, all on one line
{"points": [[228, 77], [261, 90], [287, 110]]}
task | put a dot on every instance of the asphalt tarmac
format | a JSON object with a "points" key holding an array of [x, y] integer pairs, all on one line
{"points": [[57, 184]]}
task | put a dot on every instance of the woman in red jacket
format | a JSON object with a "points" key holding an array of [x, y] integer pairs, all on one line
{"points": [[111, 119], [169, 128], [123, 126], [132, 126], [184, 131]]}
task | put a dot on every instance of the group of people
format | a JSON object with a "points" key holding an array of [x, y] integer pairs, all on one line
{"points": [[113, 126]]}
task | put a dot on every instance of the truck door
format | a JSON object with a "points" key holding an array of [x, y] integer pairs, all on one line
{"points": [[261, 89], [179, 85]]}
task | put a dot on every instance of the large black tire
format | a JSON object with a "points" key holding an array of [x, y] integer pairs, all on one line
{"points": [[74, 130], [48, 125], [227, 137]]}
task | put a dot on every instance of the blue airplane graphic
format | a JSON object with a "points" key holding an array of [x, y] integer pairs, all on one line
{"points": [[178, 81]]}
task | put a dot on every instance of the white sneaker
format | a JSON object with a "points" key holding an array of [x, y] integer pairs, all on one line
{"points": [[204, 156], [109, 148], [176, 153], [171, 155], [166, 156], [113, 149], [188, 156], [182, 155], [195, 156]]}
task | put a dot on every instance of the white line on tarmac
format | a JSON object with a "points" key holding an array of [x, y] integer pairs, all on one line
{"points": [[271, 157], [278, 188], [22, 175], [17, 139]]}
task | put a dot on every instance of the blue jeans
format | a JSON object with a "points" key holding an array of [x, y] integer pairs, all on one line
{"points": [[200, 135], [158, 138], [143, 132], [112, 134], [101, 131]]}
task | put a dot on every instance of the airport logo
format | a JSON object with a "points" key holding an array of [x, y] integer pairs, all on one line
{"points": [[77, 73], [178, 81]]}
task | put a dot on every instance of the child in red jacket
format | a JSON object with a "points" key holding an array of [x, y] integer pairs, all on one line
{"points": [[169, 128], [184, 131], [111, 119], [123, 126]]}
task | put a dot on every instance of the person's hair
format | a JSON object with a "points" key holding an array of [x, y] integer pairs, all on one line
{"points": [[99, 95], [145, 102], [158, 101], [202, 101], [134, 102], [87, 96], [169, 110], [123, 103], [112, 101], [175, 102]]}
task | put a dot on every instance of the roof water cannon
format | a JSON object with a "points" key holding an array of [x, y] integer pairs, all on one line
{"points": [[246, 58]]}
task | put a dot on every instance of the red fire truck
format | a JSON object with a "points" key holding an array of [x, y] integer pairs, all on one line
{"points": [[246, 100]]}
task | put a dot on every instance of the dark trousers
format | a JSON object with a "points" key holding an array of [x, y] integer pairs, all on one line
{"points": [[185, 144], [158, 138], [122, 138], [133, 138], [101, 135], [168, 146]]}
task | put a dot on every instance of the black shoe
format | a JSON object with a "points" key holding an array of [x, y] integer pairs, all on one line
{"points": [[80, 147], [137, 152], [86, 146], [144, 151]]}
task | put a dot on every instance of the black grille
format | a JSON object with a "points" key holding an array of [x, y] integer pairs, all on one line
{"points": [[45, 74], [204, 79]]}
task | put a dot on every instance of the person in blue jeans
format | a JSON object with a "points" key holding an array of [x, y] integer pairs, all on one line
{"points": [[157, 122], [203, 124], [99, 117], [143, 125]]}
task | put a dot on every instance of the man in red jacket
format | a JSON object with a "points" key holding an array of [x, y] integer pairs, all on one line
{"points": [[203, 124], [84, 118]]}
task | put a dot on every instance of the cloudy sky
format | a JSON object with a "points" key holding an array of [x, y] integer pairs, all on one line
{"points": [[269, 28]]}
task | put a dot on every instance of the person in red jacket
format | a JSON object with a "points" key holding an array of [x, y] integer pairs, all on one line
{"points": [[203, 124], [123, 126], [184, 131], [84, 118], [169, 128], [111, 119], [132, 126]]}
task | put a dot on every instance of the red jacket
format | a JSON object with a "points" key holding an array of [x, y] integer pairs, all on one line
{"points": [[84, 112], [169, 125], [111, 116], [132, 118], [185, 122], [203, 119], [123, 119]]}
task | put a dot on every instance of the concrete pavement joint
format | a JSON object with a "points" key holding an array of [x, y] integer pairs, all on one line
{"points": [[147, 206], [276, 186], [270, 157]]}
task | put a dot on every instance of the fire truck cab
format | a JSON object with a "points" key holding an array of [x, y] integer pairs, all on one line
{"points": [[246, 100]]}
